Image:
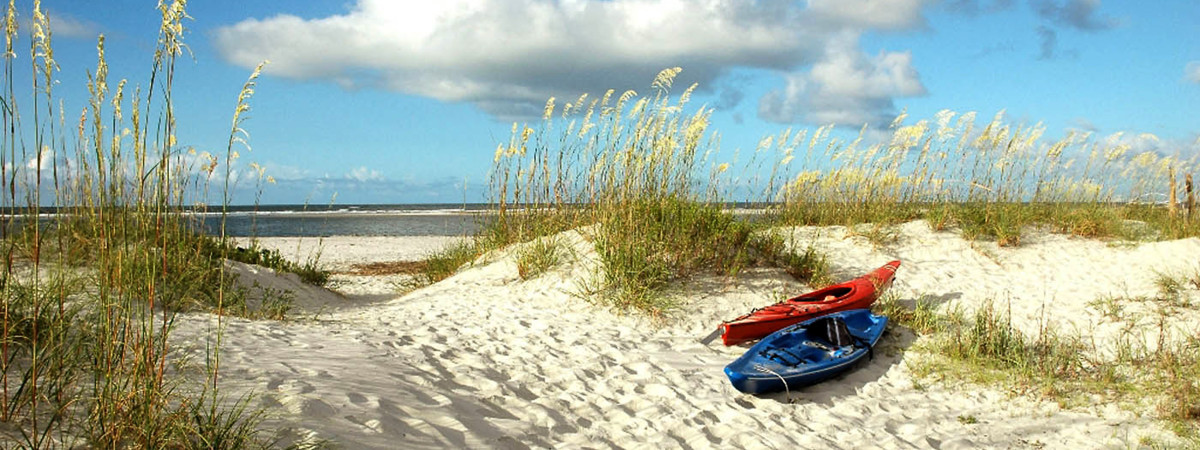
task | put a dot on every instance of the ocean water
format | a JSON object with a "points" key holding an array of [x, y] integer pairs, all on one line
{"points": [[347, 220]]}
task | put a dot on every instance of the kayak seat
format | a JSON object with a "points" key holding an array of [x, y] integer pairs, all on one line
{"points": [[819, 296], [832, 331]]}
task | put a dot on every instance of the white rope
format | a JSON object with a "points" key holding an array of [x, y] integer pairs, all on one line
{"points": [[762, 368]]}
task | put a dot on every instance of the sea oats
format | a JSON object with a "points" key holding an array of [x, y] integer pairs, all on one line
{"points": [[943, 118], [547, 113]]}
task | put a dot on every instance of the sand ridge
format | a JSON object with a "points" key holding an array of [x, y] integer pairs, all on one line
{"points": [[484, 359]]}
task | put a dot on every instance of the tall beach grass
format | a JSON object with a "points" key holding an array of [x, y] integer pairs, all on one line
{"points": [[639, 168], [91, 293], [988, 180], [650, 173]]}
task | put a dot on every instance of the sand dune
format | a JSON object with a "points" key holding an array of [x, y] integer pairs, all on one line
{"points": [[484, 359]]}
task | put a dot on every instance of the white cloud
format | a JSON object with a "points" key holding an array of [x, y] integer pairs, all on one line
{"points": [[1191, 72], [64, 25], [846, 87], [286, 172], [508, 56], [43, 160], [370, 189], [364, 174]]}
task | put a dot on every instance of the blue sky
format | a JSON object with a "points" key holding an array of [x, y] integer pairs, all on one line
{"points": [[395, 101]]}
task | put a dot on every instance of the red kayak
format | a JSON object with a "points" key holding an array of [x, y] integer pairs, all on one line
{"points": [[858, 293]]}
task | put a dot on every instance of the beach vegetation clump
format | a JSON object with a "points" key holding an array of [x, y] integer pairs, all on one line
{"points": [[989, 181], [639, 170], [988, 338], [309, 271], [1161, 378], [1109, 306], [445, 262], [539, 256], [921, 316], [90, 293], [1171, 288], [809, 264], [648, 173], [648, 243], [1192, 278]]}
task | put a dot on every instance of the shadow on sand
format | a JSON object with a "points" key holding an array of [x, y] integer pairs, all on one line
{"points": [[889, 352]]}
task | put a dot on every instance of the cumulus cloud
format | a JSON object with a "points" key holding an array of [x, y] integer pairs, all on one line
{"points": [[1191, 72], [42, 160], [845, 86], [508, 56]]}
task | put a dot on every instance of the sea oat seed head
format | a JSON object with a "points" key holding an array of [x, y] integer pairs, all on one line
{"points": [[1145, 159], [625, 97], [38, 20], [10, 28], [765, 142], [687, 94], [663, 81], [580, 101], [604, 100], [549, 111], [943, 119]]}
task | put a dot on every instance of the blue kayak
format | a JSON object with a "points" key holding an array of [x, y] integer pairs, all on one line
{"points": [[807, 353]]}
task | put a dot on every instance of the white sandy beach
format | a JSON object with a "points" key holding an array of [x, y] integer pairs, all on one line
{"points": [[486, 360]]}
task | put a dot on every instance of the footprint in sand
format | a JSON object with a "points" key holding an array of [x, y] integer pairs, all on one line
{"points": [[356, 398], [318, 409]]}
